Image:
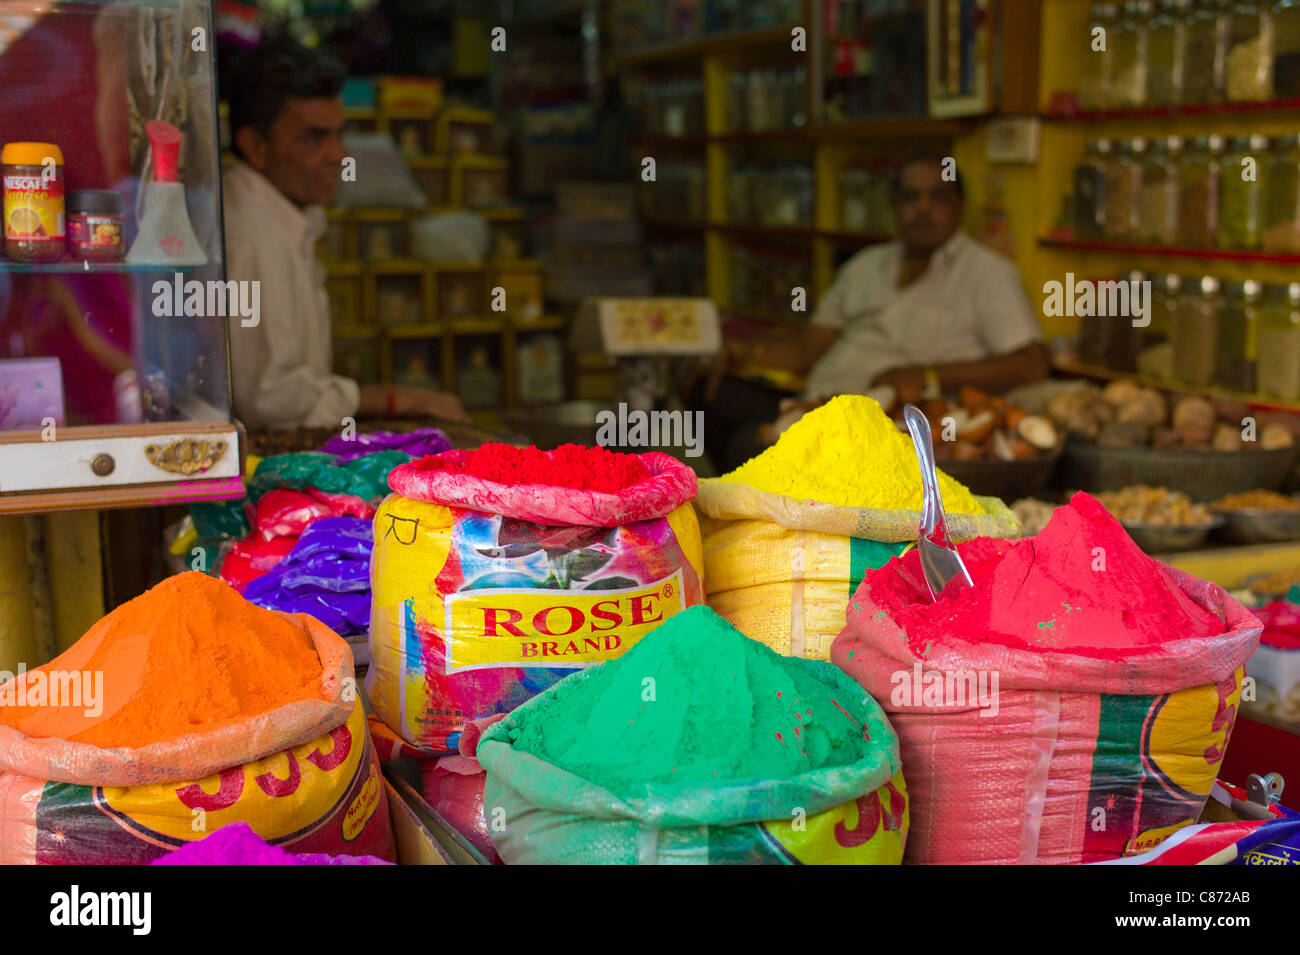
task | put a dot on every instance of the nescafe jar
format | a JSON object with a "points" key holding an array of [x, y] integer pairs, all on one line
{"points": [[95, 225], [32, 175]]}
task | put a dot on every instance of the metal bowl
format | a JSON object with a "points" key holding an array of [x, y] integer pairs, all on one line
{"points": [[1259, 525], [1009, 480], [1201, 475], [1169, 538]]}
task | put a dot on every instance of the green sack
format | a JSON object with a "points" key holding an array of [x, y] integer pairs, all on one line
{"points": [[538, 813]]}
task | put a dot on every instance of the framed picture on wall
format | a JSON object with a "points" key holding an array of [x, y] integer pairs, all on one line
{"points": [[960, 56]]}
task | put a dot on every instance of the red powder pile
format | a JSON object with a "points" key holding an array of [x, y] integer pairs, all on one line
{"points": [[1281, 620], [569, 465], [1080, 586]]}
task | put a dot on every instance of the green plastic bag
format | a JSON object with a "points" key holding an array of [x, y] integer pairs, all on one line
{"points": [[217, 519], [364, 477], [538, 813]]}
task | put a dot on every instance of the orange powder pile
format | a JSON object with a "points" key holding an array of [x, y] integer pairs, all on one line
{"points": [[188, 656]]}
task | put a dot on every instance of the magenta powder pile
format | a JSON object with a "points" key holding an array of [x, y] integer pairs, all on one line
{"points": [[1081, 586], [238, 844]]}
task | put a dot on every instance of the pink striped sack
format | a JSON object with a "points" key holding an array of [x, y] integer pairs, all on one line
{"points": [[1052, 757]]}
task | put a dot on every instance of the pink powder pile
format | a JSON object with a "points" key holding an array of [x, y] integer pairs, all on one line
{"points": [[1080, 586], [238, 844]]}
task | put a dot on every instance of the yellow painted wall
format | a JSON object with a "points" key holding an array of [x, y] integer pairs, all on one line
{"points": [[34, 626]]}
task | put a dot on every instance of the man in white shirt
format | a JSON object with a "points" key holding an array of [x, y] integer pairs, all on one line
{"points": [[933, 308], [286, 120]]}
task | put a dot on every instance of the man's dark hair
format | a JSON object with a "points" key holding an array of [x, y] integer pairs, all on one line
{"points": [[259, 83], [926, 159]]}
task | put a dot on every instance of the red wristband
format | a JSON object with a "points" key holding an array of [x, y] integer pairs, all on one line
{"points": [[392, 402]]}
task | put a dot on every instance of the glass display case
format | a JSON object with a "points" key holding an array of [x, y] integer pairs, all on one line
{"points": [[114, 309]]}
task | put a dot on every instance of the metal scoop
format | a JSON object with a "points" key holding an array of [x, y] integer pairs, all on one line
{"points": [[940, 561]]}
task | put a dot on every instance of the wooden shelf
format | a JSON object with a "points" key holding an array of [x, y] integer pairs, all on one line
{"points": [[883, 128], [354, 330], [418, 330], [678, 225], [1256, 401], [769, 231], [896, 127], [1162, 112], [476, 325], [709, 45], [547, 323], [1172, 252]]}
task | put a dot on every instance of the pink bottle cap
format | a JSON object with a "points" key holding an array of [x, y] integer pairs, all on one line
{"points": [[166, 142]]}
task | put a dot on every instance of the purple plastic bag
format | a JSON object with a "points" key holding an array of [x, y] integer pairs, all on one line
{"points": [[345, 614], [344, 537], [325, 574], [416, 443]]}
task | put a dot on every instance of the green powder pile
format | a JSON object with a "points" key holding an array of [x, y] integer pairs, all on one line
{"points": [[695, 701]]}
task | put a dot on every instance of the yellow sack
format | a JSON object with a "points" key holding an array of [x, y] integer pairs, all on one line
{"points": [[473, 613], [782, 570]]}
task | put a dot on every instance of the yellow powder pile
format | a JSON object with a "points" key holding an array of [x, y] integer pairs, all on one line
{"points": [[848, 453]]}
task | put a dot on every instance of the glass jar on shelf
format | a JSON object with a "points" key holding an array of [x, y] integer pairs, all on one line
{"points": [[1280, 219], [799, 92], [1128, 44], [1090, 190], [1240, 192], [1165, 290], [1166, 53], [1236, 340], [1155, 358], [1248, 74], [1158, 203], [737, 102], [1124, 191], [1194, 331], [1286, 49], [1123, 340], [853, 199], [1207, 52], [1198, 192], [1279, 343], [1094, 78]]}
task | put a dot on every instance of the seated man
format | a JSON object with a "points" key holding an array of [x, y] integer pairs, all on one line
{"points": [[931, 309], [286, 119]]}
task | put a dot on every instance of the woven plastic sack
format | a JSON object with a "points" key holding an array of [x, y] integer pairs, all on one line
{"points": [[325, 795], [848, 815], [485, 594], [782, 570], [1085, 759], [303, 775]]}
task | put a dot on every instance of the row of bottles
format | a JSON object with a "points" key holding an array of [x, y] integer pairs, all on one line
{"points": [[1206, 192], [1190, 52], [1202, 332]]}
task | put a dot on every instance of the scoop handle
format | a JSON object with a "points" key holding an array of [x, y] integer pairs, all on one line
{"points": [[919, 427]]}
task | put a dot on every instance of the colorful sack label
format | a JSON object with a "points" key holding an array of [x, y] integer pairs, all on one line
{"points": [[326, 795], [1142, 792], [531, 628]]}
